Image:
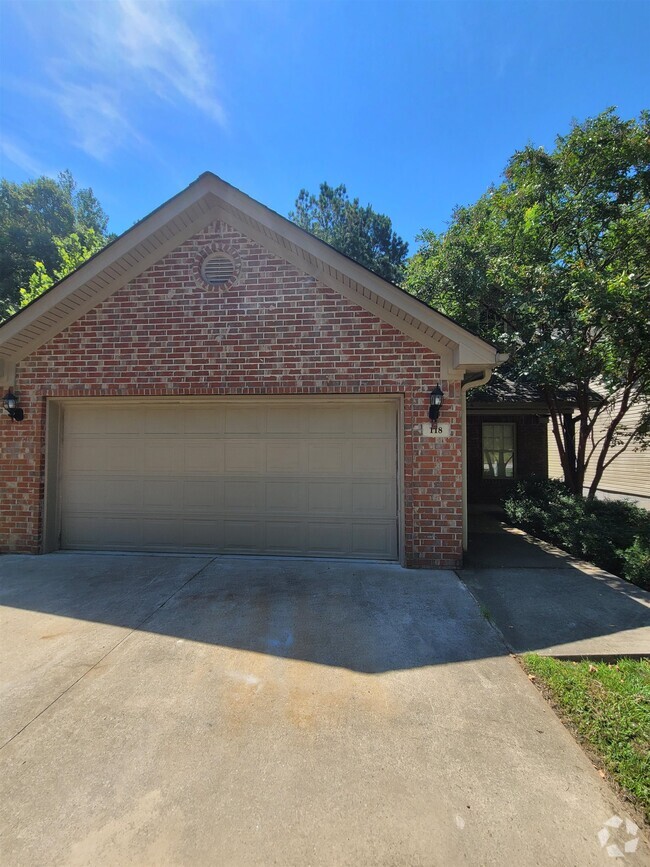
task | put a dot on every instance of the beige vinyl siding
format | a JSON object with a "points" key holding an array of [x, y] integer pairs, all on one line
{"points": [[554, 463], [629, 474]]}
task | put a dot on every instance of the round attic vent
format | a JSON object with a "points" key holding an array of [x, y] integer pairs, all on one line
{"points": [[218, 269]]}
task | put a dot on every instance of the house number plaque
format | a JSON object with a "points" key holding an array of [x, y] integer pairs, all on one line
{"points": [[438, 429]]}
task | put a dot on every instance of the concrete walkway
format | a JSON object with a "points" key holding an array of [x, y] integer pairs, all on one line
{"points": [[200, 711], [543, 600]]}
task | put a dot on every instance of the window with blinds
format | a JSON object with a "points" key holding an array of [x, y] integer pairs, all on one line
{"points": [[498, 451]]}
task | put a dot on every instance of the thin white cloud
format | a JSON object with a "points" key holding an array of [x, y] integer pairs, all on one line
{"points": [[18, 156], [96, 115], [155, 42], [124, 54]]}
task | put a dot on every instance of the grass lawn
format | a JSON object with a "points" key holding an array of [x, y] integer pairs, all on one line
{"points": [[608, 708]]}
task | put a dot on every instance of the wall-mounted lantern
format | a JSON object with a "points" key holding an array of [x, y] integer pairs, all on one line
{"points": [[10, 403], [435, 402]]}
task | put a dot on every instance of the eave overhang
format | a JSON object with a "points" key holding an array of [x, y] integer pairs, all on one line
{"points": [[208, 199]]}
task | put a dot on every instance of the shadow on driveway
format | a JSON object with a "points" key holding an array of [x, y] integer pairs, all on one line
{"points": [[367, 617]]}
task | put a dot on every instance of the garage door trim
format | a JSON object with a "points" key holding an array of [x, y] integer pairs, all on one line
{"points": [[52, 522]]}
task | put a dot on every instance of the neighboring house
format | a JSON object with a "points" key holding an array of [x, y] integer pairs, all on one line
{"points": [[628, 476], [219, 380]]}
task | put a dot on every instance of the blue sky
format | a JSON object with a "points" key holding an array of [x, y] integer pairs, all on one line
{"points": [[415, 106]]}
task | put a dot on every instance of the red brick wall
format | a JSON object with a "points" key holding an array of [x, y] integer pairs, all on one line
{"points": [[275, 330]]}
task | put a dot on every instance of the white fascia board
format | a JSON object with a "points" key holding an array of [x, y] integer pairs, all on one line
{"points": [[466, 357]]}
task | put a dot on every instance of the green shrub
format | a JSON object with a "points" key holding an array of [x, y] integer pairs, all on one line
{"points": [[636, 563], [613, 534]]}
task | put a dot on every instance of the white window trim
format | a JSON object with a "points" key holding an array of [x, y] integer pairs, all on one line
{"points": [[485, 475]]}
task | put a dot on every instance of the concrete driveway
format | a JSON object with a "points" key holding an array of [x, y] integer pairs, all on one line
{"points": [[196, 710]]}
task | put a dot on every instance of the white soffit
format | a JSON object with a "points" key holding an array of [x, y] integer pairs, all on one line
{"points": [[209, 199]]}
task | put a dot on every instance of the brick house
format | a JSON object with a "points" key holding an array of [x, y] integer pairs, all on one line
{"points": [[217, 379]]}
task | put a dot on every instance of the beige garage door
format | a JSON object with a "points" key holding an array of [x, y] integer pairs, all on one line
{"points": [[301, 477]]}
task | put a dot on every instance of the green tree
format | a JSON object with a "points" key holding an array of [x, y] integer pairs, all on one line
{"points": [[73, 251], [32, 216], [553, 265], [358, 232]]}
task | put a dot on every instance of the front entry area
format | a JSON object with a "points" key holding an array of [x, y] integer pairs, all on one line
{"points": [[289, 476]]}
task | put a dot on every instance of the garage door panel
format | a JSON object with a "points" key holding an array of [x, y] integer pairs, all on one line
{"points": [[243, 536], [163, 420], [203, 420], [81, 491], [243, 457], [281, 420], [328, 457], [161, 494], [204, 457], [83, 422], [202, 494], [298, 477], [84, 455], [243, 495], [202, 535], [285, 537], [121, 456], [162, 533], [331, 497], [244, 419], [121, 493], [373, 419], [285, 456], [99, 531], [329, 419], [333, 539], [374, 498], [123, 420], [102, 493], [163, 457], [285, 495], [373, 457], [369, 539]]}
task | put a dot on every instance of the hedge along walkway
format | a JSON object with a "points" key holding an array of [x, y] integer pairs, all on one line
{"points": [[544, 601], [613, 534]]}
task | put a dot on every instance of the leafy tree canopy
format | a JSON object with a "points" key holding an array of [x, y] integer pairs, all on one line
{"points": [[358, 232], [73, 251], [36, 218], [553, 266]]}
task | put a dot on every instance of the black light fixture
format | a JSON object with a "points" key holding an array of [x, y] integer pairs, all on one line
{"points": [[10, 403], [435, 402]]}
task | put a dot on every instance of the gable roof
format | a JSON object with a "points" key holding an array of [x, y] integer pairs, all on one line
{"points": [[207, 199]]}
